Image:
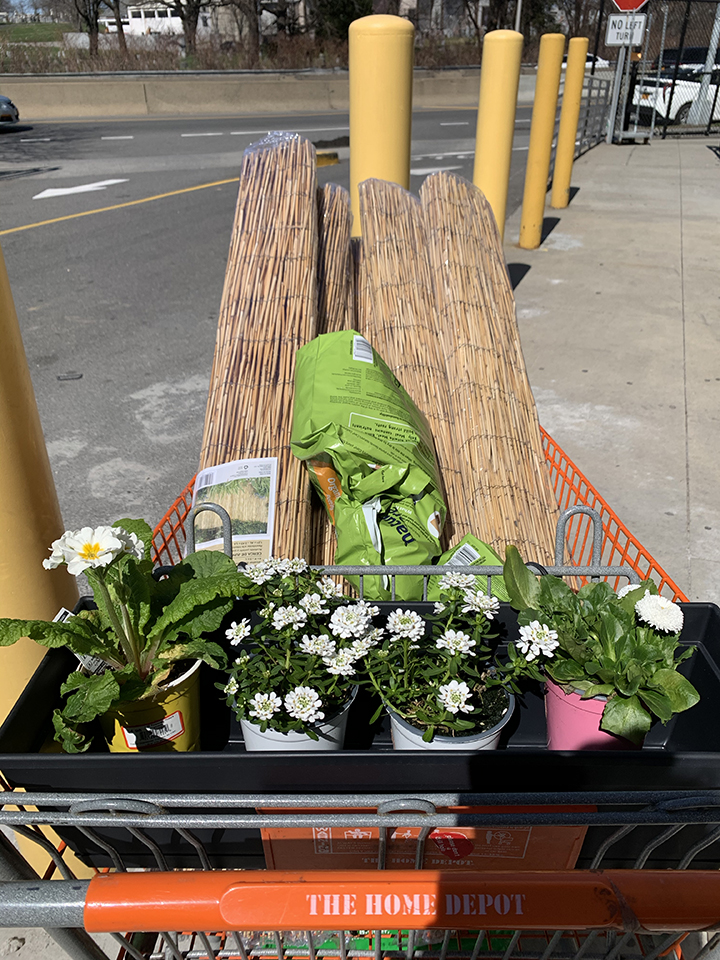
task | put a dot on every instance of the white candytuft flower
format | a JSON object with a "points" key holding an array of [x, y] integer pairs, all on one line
{"points": [[454, 697], [537, 638], [628, 588], [362, 645], [293, 617], [85, 549], [439, 608], [660, 613], [341, 663], [455, 641], [274, 567], [321, 646], [477, 601], [303, 703], [237, 632], [406, 624], [313, 603], [264, 705], [231, 687], [352, 620], [465, 581], [328, 588]]}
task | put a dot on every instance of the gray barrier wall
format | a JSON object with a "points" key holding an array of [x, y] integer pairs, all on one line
{"points": [[216, 94]]}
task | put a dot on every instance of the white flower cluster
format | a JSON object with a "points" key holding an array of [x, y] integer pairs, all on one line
{"points": [[477, 601], [274, 567], [328, 588], [537, 638], [314, 603], [294, 617], [660, 613], [231, 687], [455, 641], [454, 697], [303, 703], [237, 632], [321, 646], [353, 620], [92, 547], [465, 581], [406, 625], [264, 705]]}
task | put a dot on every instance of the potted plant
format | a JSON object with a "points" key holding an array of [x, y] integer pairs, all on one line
{"points": [[436, 675], [295, 677], [615, 657], [140, 649]]}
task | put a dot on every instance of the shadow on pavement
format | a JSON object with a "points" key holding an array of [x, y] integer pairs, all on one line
{"points": [[516, 272], [715, 150], [573, 192], [549, 224], [15, 128]]}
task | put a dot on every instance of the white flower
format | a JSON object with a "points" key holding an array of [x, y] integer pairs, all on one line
{"points": [[439, 608], [260, 572], [477, 601], [267, 611], [314, 603], [297, 565], [362, 646], [231, 687], [456, 642], [131, 543], [328, 588], [341, 664], [84, 549], [454, 697], [303, 703], [462, 580], [352, 620], [537, 638], [264, 705], [237, 632], [660, 613], [321, 645], [406, 624], [628, 588], [289, 617]]}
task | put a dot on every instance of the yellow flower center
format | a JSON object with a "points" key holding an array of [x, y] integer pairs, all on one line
{"points": [[90, 551]]}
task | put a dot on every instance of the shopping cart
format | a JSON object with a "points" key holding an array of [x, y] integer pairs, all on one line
{"points": [[515, 854]]}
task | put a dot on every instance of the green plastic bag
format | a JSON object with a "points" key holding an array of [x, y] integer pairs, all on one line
{"points": [[471, 552], [371, 459]]}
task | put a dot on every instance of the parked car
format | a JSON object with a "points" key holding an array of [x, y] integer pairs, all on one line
{"points": [[9, 113], [692, 60], [599, 62], [653, 93]]}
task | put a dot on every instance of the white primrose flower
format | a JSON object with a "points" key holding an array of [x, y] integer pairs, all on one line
{"points": [[289, 617], [85, 549], [328, 588], [237, 632], [264, 705], [455, 641], [406, 624], [352, 620], [231, 687], [341, 664], [321, 645], [313, 603], [454, 697], [628, 588], [477, 601], [131, 543], [462, 580], [537, 638], [660, 613], [303, 703]]}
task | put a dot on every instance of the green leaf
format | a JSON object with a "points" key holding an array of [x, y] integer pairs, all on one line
{"points": [[626, 717], [142, 531], [41, 631], [211, 653], [522, 585], [208, 563], [93, 695], [679, 691], [71, 740], [658, 702], [193, 596]]}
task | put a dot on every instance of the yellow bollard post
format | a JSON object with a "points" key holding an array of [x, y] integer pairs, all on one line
{"points": [[542, 129], [381, 66], [569, 116], [29, 512], [499, 79]]}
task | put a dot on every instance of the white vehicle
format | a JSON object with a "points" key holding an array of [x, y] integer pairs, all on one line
{"points": [[653, 93]]}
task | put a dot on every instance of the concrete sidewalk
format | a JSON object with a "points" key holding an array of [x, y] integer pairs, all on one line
{"points": [[620, 325]]}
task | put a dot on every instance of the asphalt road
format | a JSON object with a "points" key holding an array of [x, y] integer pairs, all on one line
{"points": [[118, 309]]}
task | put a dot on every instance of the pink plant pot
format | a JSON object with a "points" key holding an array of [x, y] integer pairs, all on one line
{"points": [[574, 723]]}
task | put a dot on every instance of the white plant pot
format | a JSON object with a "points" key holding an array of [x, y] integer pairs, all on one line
{"points": [[331, 734], [407, 737]]}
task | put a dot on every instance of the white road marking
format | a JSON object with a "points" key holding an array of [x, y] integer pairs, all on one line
{"points": [[35, 140], [201, 134], [117, 138], [85, 188], [454, 123], [252, 133], [426, 171]]}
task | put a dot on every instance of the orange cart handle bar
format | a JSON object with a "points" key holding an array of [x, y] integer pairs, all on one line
{"points": [[629, 900]]}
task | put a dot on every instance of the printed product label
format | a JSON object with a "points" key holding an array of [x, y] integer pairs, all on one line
{"points": [[170, 728]]}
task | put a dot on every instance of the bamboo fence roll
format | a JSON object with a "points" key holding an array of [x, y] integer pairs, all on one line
{"points": [[334, 290], [402, 325], [268, 310], [362, 301], [497, 435]]}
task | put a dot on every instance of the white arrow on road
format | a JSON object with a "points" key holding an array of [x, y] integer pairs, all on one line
{"points": [[85, 188]]}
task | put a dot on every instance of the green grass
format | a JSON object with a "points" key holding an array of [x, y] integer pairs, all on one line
{"points": [[33, 32]]}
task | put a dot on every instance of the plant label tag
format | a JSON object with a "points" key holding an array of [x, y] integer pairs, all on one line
{"points": [[62, 615], [150, 734]]}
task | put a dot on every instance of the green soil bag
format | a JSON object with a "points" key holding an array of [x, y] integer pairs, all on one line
{"points": [[371, 459], [471, 552]]}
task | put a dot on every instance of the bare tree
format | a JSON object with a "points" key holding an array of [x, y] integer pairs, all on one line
{"points": [[89, 14], [247, 20], [580, 15], [116, 7], [188, 12]]}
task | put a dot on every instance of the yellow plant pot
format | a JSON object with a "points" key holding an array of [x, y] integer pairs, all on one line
{"points": [[167, 722]]}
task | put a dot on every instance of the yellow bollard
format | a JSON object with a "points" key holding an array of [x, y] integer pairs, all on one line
{"points": [[29, 512], [542, 129], [569, 116], [499, 79], [381, 66]]}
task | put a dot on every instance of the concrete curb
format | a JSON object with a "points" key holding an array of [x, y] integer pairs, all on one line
{"points": [[183, 94]]}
